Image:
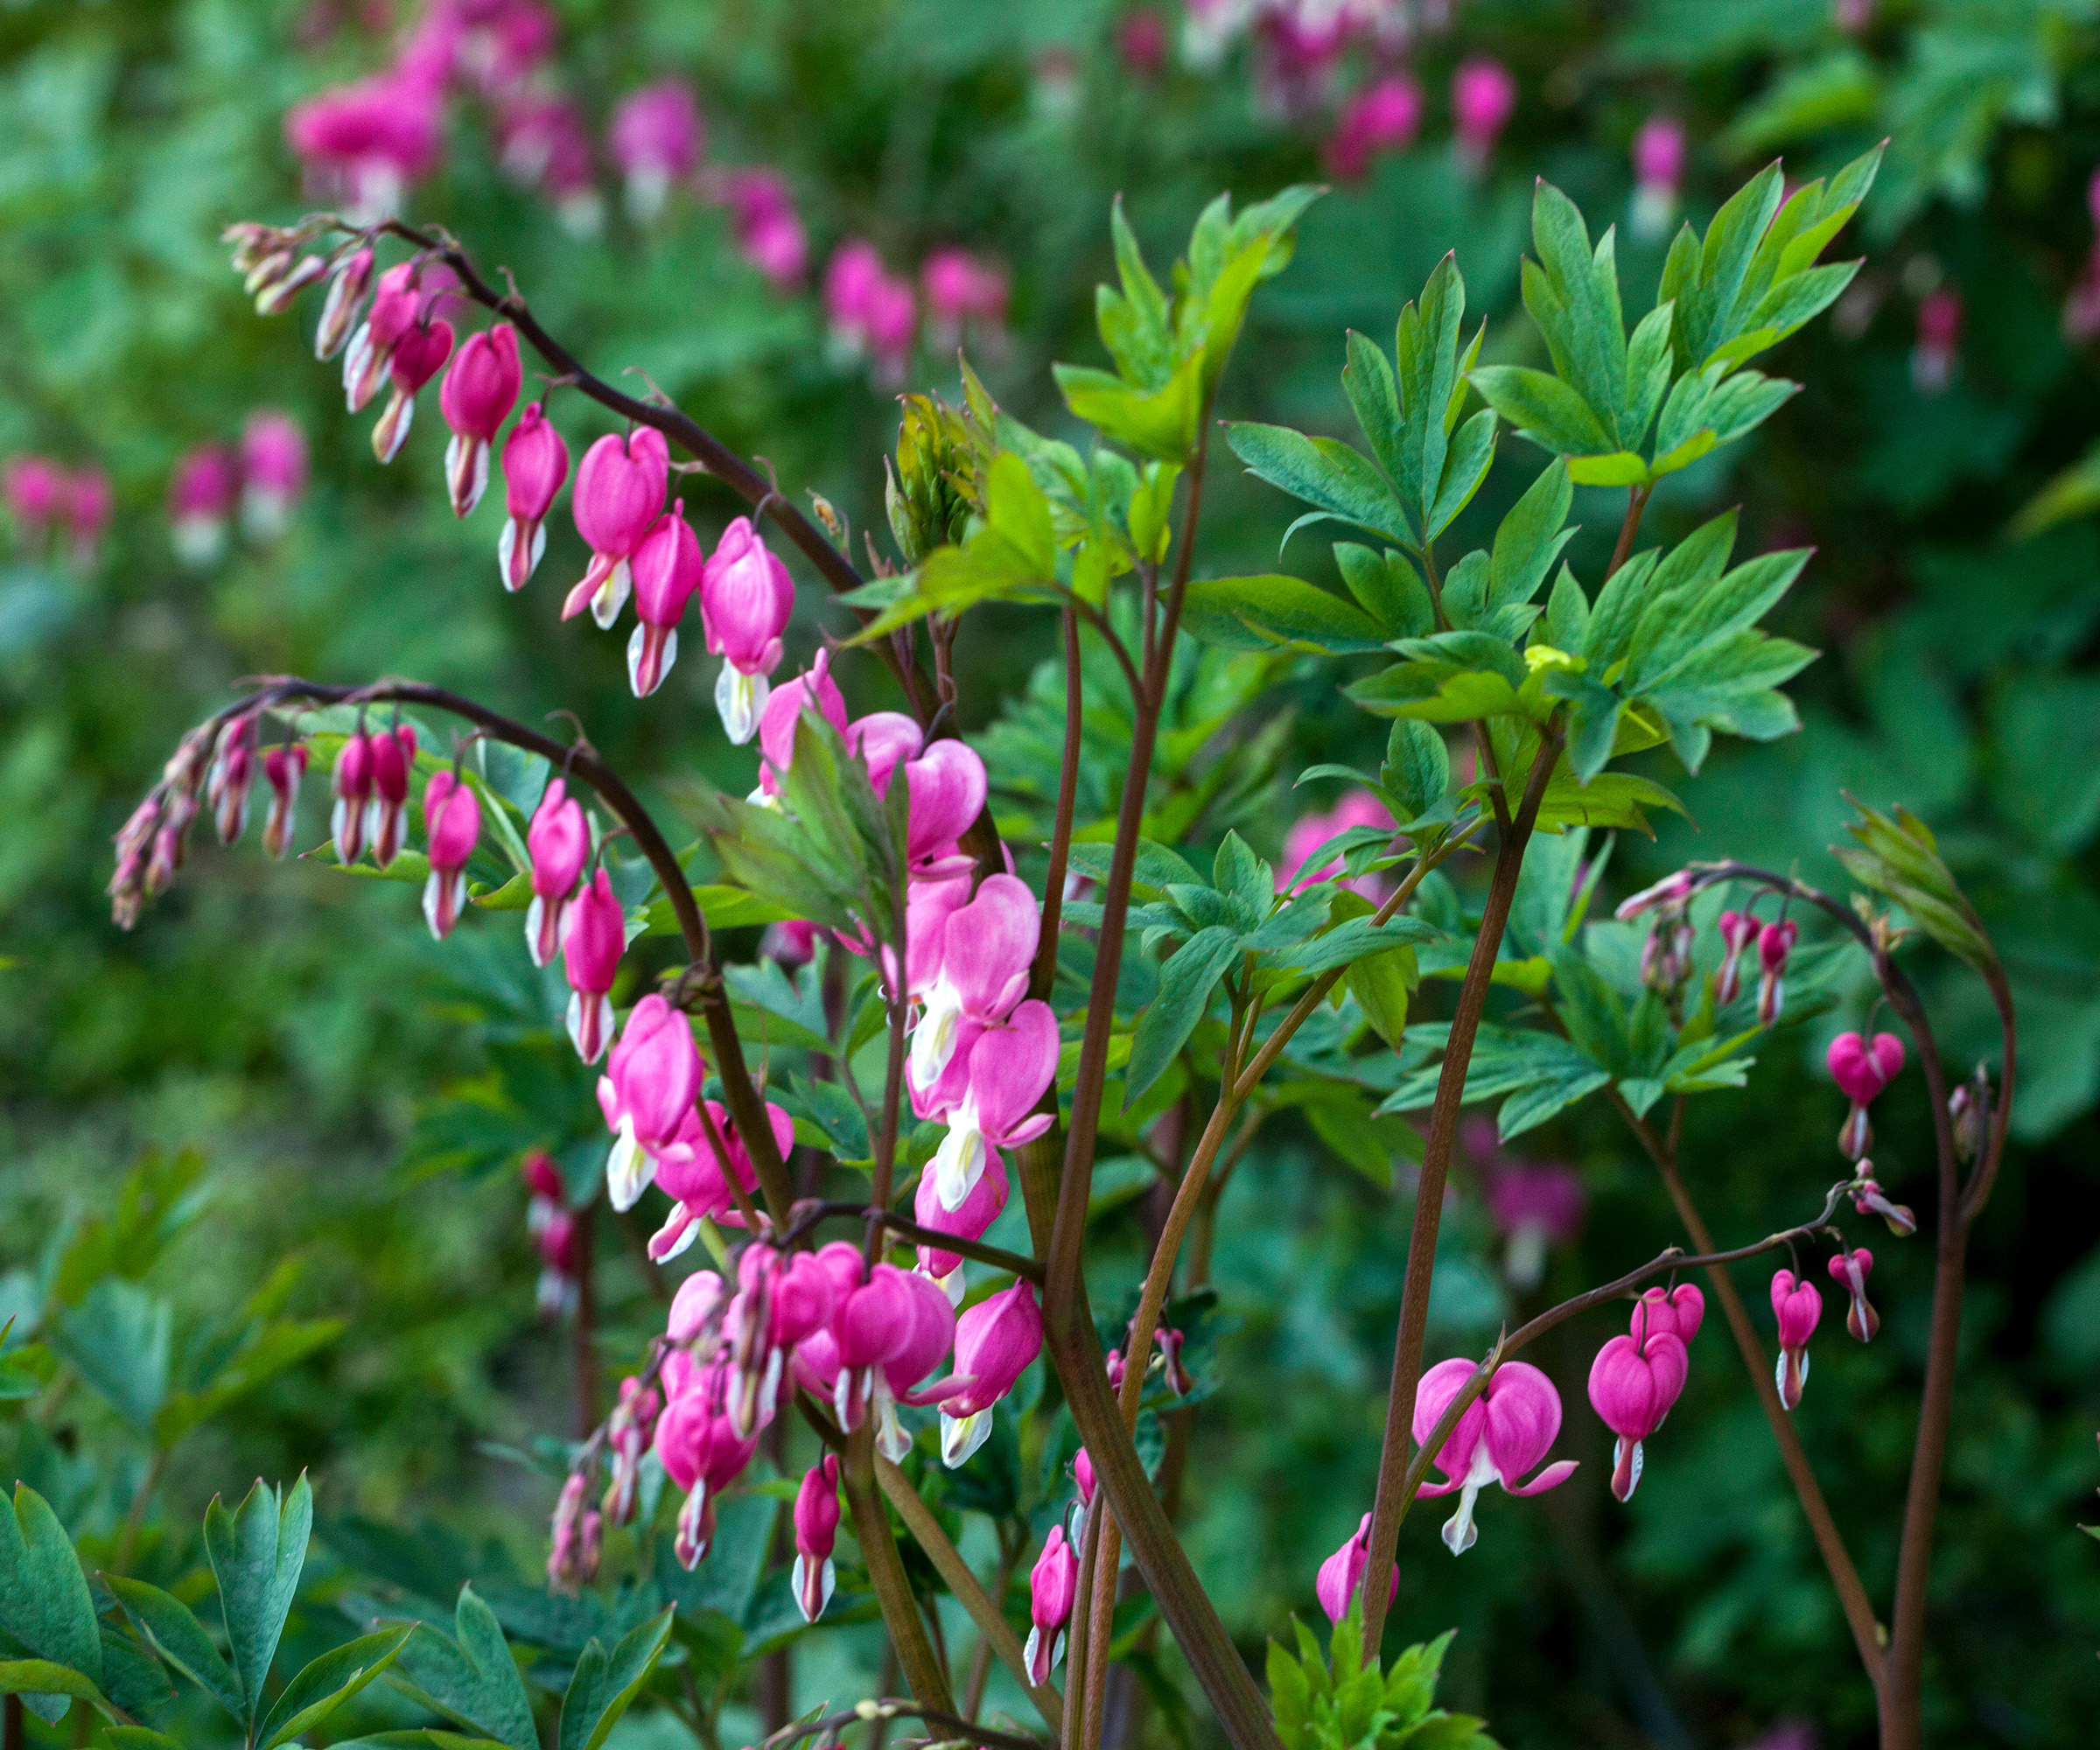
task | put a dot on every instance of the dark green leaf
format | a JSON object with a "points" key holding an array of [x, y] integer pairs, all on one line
{"points": [[328, 1682], [1185, 983], [1259, 614], [258, 1554], [178, 1636], [44, 1603], [605, 1686]]}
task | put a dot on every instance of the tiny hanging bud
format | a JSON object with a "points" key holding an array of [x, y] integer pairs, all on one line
{"points": [[283, 768], [1053, 1587], [352, 784], [1774, 944], [338, 313], [451, 825], [558, 840], [815, 1530], [1797, 1305], [476, 398], [419, 355], [1968, 1106], [278, 297], [233, 772], [667, 569], [1849, 1271], [573, 1558], [1868, 1200], [1739, 930], [629, 1430], [393, 758], [595, 935]]}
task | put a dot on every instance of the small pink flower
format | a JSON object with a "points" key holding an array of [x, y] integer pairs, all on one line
{"points": [[769, 231], [233, 772], [1658, 170], [597, 935], [963, 293], [34, 488], [1861, 1071], [365, 144], [667, 569], [746, 599], [1141, 40], [409, 297], [890, 1331], [1633, 1385], [1797, 1305], [392, 758], [978, 1211], [996, 1341], [1505, 1431], [1938, 351], [657, 138], [1849, 1270], [200, 499], [1483, 98], [451, 825], [699, 1182], [619, 491], [536, 462], [1053, 1587], [1342, 1574], [1671, 893], [273, 473], [628, 1431], [1739, 930], [1383, 117], [1775, 945], [476, 398], [1358, 809], [871, 315], [647, 1095], [987, 953], [283, 768], [567, 1568], [1534, 1207], [701, 1452], [418, 356], [558, 840], [816, 1532], [352, 781]]}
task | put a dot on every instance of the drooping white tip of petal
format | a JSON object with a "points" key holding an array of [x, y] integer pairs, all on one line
{"points": [[465, 473], [934, 1038], [443, 901], [741, 700], [651, 650], [590, 1024], [962, 1436], [347, 827], [518, 551], [611, 595], [813, 1589], [629, 1168], [680, 1229], [959, 1162], [392, 431], [890, 1439], [1459, 1532]]}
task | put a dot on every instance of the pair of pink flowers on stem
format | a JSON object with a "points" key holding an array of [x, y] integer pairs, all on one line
{"points": [[585, 923], [1637, 1378]]}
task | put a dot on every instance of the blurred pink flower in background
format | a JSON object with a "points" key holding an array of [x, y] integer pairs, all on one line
{"points": [[1938, 351], [965, 295], [200, 501], [1383, 117], [871, 314], [1483, 98], [1658, 173], [365, 144], [768, 229], [1533, 1205], [273, 472], [657, 138], [1358, 808]]}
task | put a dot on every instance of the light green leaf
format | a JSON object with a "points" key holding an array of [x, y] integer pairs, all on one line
{"points": [[328, 1682], [258, 1555], [1185, 983], [44, 1603], [1260, 613]]}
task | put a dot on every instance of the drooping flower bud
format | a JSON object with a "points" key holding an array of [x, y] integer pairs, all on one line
{"points": [[451, 825], [226, 790], [816, 1532], [559, 842], [338, 313], [1342, 1574], [1672, 891], [1774, 944], [419, 355], [283, 768], [1869, 1200], [628, 1431], [1053, 1587], [1849, 1270], [1967, 1108], [397, 306], [1632, 1386], [746, 599], [278, 295], [619, 488], [393, 758], [596, 935], [571, 1562], [1938, 351], [668, 568], [536, 462], [352, 782], [1797, 1305], [1861, 1070], [1739, 930], [996, 1340], [476, 398]]}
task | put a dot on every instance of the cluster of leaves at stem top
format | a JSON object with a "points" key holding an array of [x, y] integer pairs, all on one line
{"points": [[1343, 1701]]}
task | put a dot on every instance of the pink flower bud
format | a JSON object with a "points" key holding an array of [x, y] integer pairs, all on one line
{"points": [[597, 935], [789, 943], [283, 768], [1677, 1313], [418, 356], [352, 784], [1869, 1200], [397, 305], [746, 599], [1504, 1433], [1483, 97], [543, 1177], [559, 842], [1934, 358], [339, 311], [629, 1430], [282, 290], [1383, 117], [1633, 1385], [567, 1566], [647, 1094], [1083, 1477], [393, 755], [536, 462], [476, 398], [1658, 169], [1342, 1574], [1671, 892], [657, 138], [668, 570], [1739, 930], [815, 1530], [87, 505], [273, 473], [1052, 1586], [619, 489], [451, 825], [233, 771], [1774, 944], [1797, 1306], [996, 1341], [1861, 1071], [200, 499], [1849, 1271]]}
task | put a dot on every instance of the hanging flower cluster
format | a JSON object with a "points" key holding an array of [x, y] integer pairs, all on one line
{"points": [[873, 315], [44, 497]]}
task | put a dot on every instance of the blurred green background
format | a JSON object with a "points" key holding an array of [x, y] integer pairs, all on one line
{"points": [[353, 1094]]}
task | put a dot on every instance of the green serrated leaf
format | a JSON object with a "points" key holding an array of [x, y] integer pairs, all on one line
{"points": [[605, 1684], [44, 1603], [258, 1555]]}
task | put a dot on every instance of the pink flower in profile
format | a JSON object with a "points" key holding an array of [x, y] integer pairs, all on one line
{"points": [[1011, 1065], [451, 825], [1342, 1574], [273, 472], [1633, 1384], [1849, 1271], [365, 144], [1774, 946], [978, 1211], [647, 1095], [1383, 117], [283, 768], [1357, 809], [200, 501], [657, 138], [987, 952], [1504, 1433], [1861, 1071], [701, 1452], [768, 230], [1676, 1311], [746, 599], [596, 937], [1533, 1207], [1938, 351], [352, 781], [393, 758], [813, 689], [476, 398], [619, 490], [558, 840], [996, 1340], [1052, 1586], [871, 315], [418, 356], [1869, 1199], [698, 1181], [1483, 98], [536, 462], [1658, 171], [1739, 930], [232, 773], [816, 1532], [87, 506], [667, 569], [890, 1331], [1797, 1305]]}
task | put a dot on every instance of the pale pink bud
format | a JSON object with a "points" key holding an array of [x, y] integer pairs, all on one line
{"points": [[1849, 1270], [278, 295], [392, 756], [1633, 1385], [1739, 930], [657, 138], [567, 1568], [1503, 1433], [668, 570], [1797, 1305], [815, 1530], [1052, 1586], [352, 781], [995, 1342], [418, 356], [591, 951], [1671, 892], [558, 840], [695, 1305], [1342, 1574], [283, 768], [619, 490], [273, 472], [536, 462], [338, 313], [1775, 945], [476, 398]]}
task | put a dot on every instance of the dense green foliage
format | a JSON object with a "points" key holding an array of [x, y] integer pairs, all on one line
{"points": [[339, 1278]]}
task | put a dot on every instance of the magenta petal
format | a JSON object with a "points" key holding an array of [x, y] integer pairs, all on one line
{"points": [[948, 788], [1010, 1065], [1551, 1477]]}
